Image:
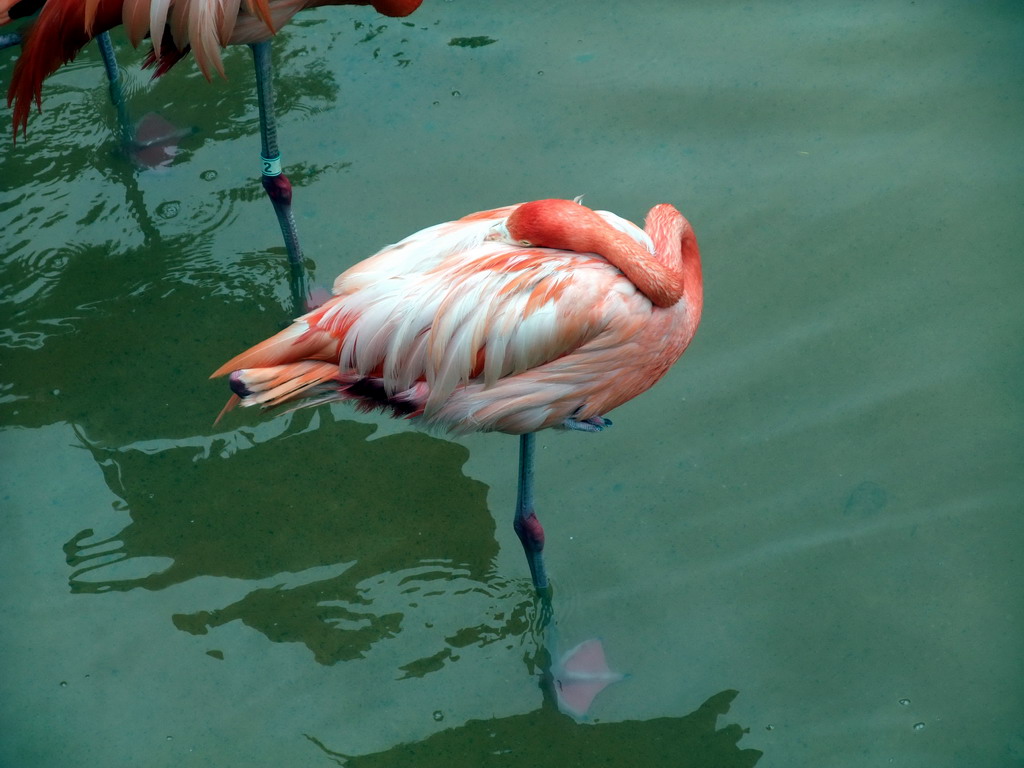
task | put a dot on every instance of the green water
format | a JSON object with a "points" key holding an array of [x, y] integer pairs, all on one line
{"points": [[803, 545]]}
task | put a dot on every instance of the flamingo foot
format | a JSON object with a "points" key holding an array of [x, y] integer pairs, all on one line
{"points": [[580, 675], [156, 141], [593, 424]]}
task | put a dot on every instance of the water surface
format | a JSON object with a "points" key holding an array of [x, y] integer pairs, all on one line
{"points": [[803, 545]]}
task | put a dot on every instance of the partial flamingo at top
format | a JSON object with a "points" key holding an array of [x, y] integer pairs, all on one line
{"points": [[173, 26]]}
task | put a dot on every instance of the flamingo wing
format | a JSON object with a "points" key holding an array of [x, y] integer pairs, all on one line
{"points": [[493, 316]]}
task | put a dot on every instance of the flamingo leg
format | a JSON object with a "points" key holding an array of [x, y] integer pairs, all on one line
{"points": [[526, 524], [124, 122], [275, 183]]}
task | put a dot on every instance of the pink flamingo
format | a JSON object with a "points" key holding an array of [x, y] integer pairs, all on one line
{"points": [[542, 314], [173, 27]]}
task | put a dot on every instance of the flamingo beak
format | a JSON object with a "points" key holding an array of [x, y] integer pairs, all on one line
{"points": [[498, 232]]}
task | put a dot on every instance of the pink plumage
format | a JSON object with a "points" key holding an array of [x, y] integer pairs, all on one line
{"points": [[517, 319]]}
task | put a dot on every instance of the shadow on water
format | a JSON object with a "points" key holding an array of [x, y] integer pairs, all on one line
{"points": [[342, 536], [336, 541], [545, 737]]}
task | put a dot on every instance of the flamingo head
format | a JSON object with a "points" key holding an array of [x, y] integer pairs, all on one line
{"points": [[551, 223]]}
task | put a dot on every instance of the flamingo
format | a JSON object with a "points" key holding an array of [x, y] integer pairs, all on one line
{"points": [[539, 315], [174, 27]]}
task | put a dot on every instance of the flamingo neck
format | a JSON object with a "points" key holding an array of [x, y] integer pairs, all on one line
{"points": [[676, 246], [664, 277]]}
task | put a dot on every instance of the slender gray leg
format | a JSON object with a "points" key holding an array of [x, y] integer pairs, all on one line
{"points": [[526, 524], [275, 183], [124, 122]]}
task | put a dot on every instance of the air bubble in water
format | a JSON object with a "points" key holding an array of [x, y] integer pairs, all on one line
{"points": [[168, 210]]}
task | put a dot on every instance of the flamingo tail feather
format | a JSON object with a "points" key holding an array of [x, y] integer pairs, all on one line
{"points": [[57, 35]]}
